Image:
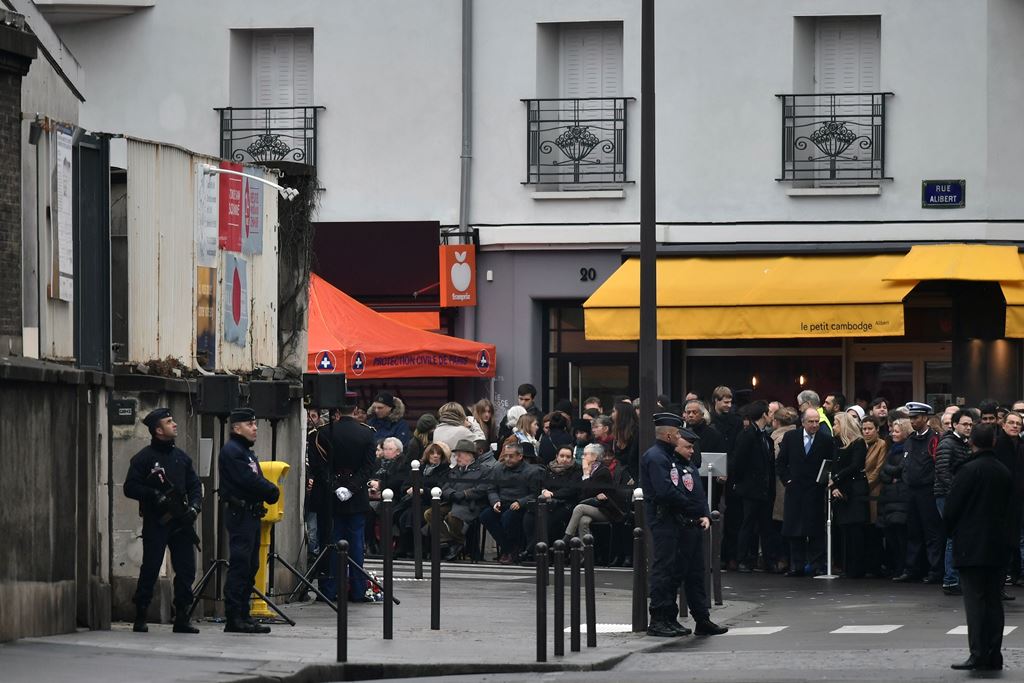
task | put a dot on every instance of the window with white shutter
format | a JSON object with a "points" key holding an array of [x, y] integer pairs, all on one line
{"points": [[590, 72], [847, 54], [282, 67]]}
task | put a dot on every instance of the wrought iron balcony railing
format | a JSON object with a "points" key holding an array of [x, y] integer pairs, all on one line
{"points": [[576, 141], [833, 137], [269, 135]]}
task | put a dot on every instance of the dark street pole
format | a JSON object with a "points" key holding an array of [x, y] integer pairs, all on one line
{"points": [[648, 347]]}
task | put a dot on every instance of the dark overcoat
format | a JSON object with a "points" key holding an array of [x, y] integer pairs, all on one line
{"points": [[804, 511]]}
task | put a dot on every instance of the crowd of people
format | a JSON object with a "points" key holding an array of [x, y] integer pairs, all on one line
{"points": [[881, 471]]}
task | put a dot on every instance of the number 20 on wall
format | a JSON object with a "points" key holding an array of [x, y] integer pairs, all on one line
{"points": [[588, 274]]}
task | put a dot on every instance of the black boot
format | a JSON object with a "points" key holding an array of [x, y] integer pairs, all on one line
{"points": [[662, 629], [236, 624], [257, 627], [140, 620], [706, 627]]}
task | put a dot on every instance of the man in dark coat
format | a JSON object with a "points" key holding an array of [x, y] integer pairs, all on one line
{"points": [[1008, 451], [953, 451], [351, 451], [677, 515], [243, 490], [695, 415], [975, 516], [170, 497], [924, 525], [754, 482], [514, 487], [801, 454]]}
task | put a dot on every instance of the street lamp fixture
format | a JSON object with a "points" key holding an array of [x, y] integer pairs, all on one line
{"points": [[288, 193]]}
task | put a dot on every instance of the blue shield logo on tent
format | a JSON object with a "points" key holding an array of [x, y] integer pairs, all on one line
{"points": [[358, 363]]}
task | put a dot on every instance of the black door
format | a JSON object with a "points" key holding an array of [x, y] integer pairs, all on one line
{"points": [[92, 253]]}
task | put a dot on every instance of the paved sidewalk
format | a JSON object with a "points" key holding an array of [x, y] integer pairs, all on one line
{"points": [[486, 626]]}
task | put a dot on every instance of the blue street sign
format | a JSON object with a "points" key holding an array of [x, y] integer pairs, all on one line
{"points": [[943, 194]]}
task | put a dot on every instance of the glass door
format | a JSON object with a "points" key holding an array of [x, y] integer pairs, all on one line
{"points": [[605, 377], [901, 373]]}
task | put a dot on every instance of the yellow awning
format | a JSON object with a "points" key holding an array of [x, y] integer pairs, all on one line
{"points": [[755, 297], [1013, 292], [978, 262]]}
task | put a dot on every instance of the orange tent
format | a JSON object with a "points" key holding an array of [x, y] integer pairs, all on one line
{"points": [[346, 336]]}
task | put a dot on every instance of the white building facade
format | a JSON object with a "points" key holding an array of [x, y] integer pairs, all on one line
{"points": [[922, 89]]}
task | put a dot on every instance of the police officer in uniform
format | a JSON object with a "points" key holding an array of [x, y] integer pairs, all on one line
{"points": [[677, 515], [162, 479], [351, 450], [243, 490]]}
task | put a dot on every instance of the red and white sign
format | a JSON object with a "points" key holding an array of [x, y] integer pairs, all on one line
{"points": [[230, 231], [458, 275]]}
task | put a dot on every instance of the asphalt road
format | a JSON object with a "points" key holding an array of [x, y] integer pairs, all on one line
{"points": [[816, 630]]}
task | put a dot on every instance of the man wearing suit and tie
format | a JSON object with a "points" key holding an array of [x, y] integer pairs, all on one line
{"points": [[801, 454]]}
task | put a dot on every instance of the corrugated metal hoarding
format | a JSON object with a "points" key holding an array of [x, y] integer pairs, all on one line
{"points": [[170, 305]]}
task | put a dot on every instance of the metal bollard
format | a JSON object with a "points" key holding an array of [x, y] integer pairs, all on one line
{"points": [[559, 546], [716, 555], [591, 596], [708, 562], [435, 559], [342, 550], [639, 563], [417, 517], [575, 555], [541, 523], [387, 498], [541, 554], [639, 605]]}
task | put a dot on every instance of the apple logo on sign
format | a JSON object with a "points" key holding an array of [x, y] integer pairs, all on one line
{"points": [[461, 273]]}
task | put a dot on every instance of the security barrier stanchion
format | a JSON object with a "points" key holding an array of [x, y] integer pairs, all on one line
{"points": [[708, 561], [575, 556], [417, 517], [435, 559], [342, 550], [591, 595], [541, 553], [639, 608], [387, 497], [541, 523], [716, 555], [559, 634]]}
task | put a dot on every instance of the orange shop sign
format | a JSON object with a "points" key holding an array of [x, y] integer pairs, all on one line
{"points": [[458, 275]]}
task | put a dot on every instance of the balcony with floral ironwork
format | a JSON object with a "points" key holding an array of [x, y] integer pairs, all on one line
{"points": [[576, 143], [278, 137], [834, 139]]}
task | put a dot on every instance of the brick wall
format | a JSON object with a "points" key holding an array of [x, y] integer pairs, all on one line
{"points": [[10, 204]]}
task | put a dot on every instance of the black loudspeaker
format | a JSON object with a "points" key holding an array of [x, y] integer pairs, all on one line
{"points": [[324, 391], [270, 400], [218, 394]]}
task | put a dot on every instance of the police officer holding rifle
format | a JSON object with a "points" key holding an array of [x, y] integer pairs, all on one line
{"points": [[162, 479]]}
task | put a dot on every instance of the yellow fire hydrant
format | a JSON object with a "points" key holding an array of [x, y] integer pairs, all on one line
{"points": [[274, 473]]}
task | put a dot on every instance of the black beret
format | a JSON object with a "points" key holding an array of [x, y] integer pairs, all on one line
{"points": [[688, 435], [153, 419], [386, 398], [667, 420], [242, 415]]}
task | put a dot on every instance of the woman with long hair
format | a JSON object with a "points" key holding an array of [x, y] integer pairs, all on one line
{"points": [[873, 462], [483, 413], [848, 488], [625, 437], [526, 431]]}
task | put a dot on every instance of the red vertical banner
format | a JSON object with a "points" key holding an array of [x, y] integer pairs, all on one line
{"points": [[458, 275], [230, 229]]}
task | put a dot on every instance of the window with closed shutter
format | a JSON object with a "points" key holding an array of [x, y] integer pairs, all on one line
{"points": [[282, 73], [590, 72], [846, 70]]}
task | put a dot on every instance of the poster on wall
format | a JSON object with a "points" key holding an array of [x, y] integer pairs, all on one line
{"points": [[207, 239], [65, 246], [236, 300], [206, 322], [252, 213], [230, 209]]}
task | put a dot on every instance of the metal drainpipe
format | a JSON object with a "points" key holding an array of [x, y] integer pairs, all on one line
{"points": [[467, 139]]}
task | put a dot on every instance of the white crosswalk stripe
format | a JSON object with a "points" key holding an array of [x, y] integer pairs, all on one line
{"points": [[866, 629], [755, 630], [962, 631]]}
